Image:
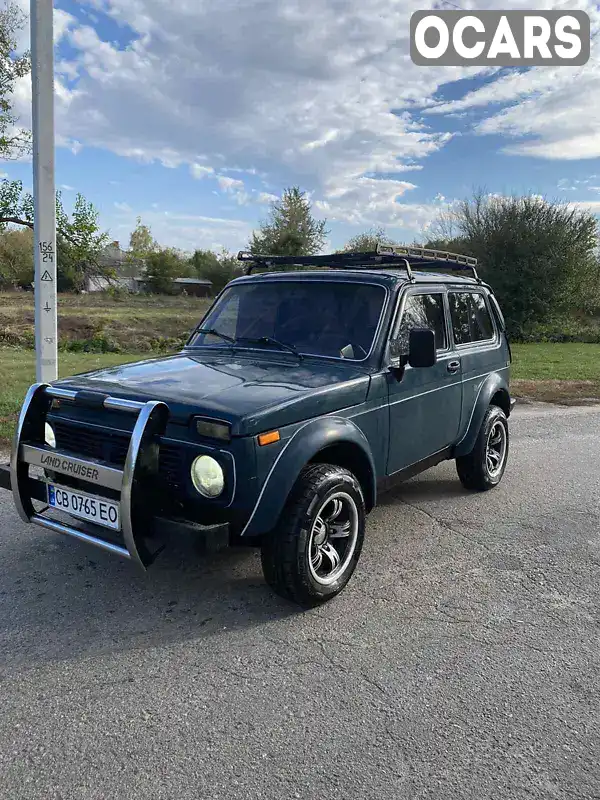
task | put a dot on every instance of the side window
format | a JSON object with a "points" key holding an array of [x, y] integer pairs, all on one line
{"points": [[423, 311], [471, 321]]}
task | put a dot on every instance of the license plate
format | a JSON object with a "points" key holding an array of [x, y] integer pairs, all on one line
{"points": [[85, 506]]}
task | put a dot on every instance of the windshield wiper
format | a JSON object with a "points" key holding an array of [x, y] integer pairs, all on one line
{"points": [[270, 340], [214, 332]]}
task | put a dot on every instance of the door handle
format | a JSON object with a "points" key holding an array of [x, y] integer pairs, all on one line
{"points": [[453, 366]]}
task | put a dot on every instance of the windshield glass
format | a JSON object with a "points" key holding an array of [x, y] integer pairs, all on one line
{"points": [[317, 318]]}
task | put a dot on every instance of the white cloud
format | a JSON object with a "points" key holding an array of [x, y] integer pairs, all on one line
{"points": [[266, 197], [235, 187], [229, 184], [314, 92], [124, 207], [62, 22], [364, 201], [184, 231], [66, 188], [589, 205], [557, 121], [200, 171], [546, 112], [67, 69], [310, 87]]}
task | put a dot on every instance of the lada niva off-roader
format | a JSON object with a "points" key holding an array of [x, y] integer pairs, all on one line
{"points": [[300, 394]]}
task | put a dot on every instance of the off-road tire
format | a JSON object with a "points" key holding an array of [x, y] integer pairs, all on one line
{"points": [[285, 550], [473, 469]]}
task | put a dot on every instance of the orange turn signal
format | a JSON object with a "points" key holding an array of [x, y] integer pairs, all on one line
{"points": [[268, 438]]}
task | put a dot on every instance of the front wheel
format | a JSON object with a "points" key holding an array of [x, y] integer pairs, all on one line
{"points": [[484, 466], [311, 554]]}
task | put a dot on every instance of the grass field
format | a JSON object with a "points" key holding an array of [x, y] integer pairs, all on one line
{"points": [[17, 373], [559, 373], [564, 373], [100, 323]]}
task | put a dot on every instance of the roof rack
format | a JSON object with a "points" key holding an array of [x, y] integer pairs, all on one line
{"points": [[432, 259], [382, 258]]}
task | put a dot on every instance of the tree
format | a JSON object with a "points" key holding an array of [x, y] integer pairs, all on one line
{"points": [[16, 258], [290, 230], [141, 244], [79, 238], [141, 241], [79, 242], [162, 267], [217, 268], [14, 141], [367, 242], [539, 255]]}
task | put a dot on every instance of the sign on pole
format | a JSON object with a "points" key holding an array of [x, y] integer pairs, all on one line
{"points": [[44, 196]]}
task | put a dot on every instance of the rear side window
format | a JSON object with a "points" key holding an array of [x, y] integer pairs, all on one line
{"points": [[471, 320], [423, 311]]}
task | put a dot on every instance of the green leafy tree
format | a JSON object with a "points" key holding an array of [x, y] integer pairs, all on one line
{"points": [[539, 255], [16, 258], [141, 241], [217, 268], [14, 140], [367, 242], [79, 238], [162, 267], [291, 229], [141, 244]]}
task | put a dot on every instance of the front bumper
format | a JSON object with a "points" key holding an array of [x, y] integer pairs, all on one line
{"points": [[131, 484]]}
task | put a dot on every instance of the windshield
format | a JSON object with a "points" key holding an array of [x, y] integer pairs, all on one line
{"points": [[316, 318]]}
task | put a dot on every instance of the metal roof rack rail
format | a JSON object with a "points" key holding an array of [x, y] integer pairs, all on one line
{"points": [[384, 257], [372, 260], [425, 257]]}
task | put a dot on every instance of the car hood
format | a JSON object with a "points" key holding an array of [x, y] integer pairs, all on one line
{"points": [[252, 394]]}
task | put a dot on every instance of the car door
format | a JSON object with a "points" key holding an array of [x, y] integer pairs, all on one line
{"points": [[477, 340], [424, 403]]}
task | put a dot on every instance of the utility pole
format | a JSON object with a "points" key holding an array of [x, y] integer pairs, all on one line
{"points": [[44, 192]]}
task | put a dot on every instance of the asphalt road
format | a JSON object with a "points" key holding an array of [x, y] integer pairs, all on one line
{"points": [[461, 662]]}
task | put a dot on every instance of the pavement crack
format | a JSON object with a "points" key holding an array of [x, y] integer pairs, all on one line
{"points": [[442, 523], [349, 671]]}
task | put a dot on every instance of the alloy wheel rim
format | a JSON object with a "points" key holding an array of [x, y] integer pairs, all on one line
{"points": [[333, 538], [495, 452]]}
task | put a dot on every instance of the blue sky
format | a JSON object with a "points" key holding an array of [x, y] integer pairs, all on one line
{"points": [[195, 115]]}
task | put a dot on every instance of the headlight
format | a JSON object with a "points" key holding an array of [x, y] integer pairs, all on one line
{"points": [[207, 476], [49, 435]]}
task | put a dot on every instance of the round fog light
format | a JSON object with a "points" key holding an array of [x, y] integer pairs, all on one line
{"points": [[207, 476], [49, 435]]}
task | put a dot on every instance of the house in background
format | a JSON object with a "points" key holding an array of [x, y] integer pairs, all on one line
{"points": [[198, 287], [126, 270], [129, 274]]}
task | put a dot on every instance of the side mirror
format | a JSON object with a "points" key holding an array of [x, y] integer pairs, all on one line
{"points": [[421, 348]]}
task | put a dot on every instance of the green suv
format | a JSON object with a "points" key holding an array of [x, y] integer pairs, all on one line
{"points": [[308, 387]]}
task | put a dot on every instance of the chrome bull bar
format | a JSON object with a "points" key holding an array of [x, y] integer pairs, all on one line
{"points": [[141, 464]]}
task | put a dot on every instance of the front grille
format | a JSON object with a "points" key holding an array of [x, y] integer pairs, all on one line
{"points": [[100, 443], [105, 444], [171, 466]]}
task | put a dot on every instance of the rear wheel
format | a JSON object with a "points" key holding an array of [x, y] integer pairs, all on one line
{"points": [[484, 466], [311, 554]]}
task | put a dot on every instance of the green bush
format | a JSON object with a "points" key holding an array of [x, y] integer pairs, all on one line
{"points": [[99, 343], [117, 293], [563, 330], [539, 256]]}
